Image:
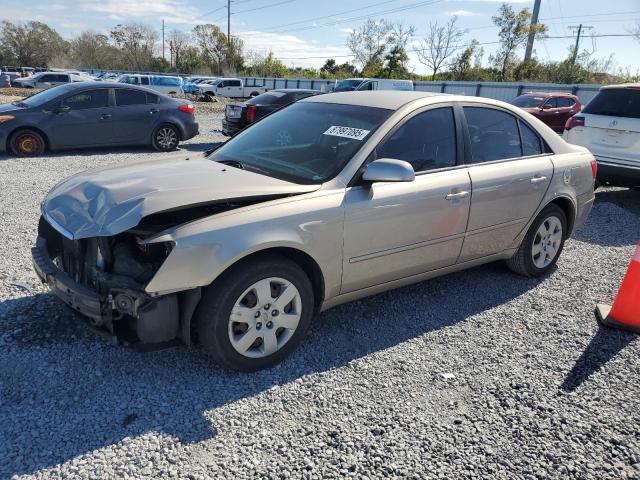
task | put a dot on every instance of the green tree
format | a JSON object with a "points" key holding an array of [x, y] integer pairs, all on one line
{"points": [[93, 50], [137, 44], [514, 31], [31, 43], [395, 64]]}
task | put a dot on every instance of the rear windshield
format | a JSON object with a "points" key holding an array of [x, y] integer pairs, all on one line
{"points": [[527, 101], [266, 98], [615, 102], [306, 142]]}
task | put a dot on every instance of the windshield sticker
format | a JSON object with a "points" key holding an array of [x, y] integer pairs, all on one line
{"points": [[347, 132]]}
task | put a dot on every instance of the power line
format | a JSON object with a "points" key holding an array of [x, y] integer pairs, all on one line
{"points": [[364, 17], [263, 7], [326, 16]]}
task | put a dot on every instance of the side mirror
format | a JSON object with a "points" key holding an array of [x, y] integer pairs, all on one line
{"points": [[389, 170]]}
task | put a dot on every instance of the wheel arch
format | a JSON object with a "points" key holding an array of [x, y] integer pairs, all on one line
{"points": [[568, 207]]}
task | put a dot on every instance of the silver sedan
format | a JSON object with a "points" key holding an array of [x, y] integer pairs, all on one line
{"points": [[331, 199]]}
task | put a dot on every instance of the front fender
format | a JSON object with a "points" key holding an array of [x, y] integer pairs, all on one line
{"points": [[205, 249]]}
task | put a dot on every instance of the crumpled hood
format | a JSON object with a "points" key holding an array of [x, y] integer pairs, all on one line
{"points": [[111, 200]]}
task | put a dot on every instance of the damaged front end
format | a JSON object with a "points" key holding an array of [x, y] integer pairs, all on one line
{"points": [[103, 278]]}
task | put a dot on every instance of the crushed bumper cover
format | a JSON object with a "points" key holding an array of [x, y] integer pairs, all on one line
{"points": [[80, 298]]}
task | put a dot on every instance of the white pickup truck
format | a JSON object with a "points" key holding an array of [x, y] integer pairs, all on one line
{"points": [[230, 88]]}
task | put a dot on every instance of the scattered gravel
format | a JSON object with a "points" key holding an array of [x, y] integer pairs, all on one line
{"points": [[480, 374]]}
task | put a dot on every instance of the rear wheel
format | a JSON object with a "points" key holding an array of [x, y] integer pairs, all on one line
{"points": [[166, 138], [27, 143], [542, 244], [255, 314]]}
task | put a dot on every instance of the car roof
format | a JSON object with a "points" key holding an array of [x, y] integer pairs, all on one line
{"points": [[621, 85], [294, 90], [94, 84], [547, 94], [390, 99]]}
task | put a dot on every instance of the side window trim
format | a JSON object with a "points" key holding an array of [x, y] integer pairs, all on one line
{"points": [[467, 141]]}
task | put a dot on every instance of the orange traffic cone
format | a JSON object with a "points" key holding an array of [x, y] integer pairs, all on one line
{"points": [[625, 312]]}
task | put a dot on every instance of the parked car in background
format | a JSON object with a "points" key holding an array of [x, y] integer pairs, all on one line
{"points": [[160, 83], [5, 80], [236, 249], [239, 116], [353, 84], [44, 80], [609, 126], [94, 114], [554, 109], [229, 88]]}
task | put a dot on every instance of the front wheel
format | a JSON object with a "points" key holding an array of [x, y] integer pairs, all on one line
{"points": [[255, 314], [27, 143], [542, 244], [166, 138]]}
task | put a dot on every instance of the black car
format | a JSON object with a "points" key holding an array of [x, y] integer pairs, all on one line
{"points": [[238, 117], [94, 114]]}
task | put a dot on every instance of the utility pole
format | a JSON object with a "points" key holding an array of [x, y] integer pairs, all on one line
{"points": [[163, 39], [229, 22], [532, 30], [577, 47]]}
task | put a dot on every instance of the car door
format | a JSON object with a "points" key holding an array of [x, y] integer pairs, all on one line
{"points": [[550, 113], [136, 114], [510, 172], [565, 111], [395, 230], [46, 81], [82, 119]]}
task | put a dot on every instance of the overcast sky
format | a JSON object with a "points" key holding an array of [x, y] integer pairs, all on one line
{"points": [[319, 28]]}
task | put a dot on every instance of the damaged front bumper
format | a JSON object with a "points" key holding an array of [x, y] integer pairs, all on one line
{"points": [[124, 315]]}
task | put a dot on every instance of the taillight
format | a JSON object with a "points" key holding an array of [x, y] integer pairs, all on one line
{"points": [[187, 108], [575, 121], [251, 113], [594, 168]]}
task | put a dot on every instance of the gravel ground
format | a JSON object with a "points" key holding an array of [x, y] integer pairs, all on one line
{"points": [[480, 374]]}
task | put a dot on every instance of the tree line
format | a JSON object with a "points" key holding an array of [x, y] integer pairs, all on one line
{"points": [[379, 48]]}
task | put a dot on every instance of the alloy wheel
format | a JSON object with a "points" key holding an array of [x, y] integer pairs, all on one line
{"points": [[265, 317], [546, 242], [167, 138]]}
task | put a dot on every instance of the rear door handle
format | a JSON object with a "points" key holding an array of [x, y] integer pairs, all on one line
{"points": [[105, 116], [452, 196], [538, 179], [155, 110]]}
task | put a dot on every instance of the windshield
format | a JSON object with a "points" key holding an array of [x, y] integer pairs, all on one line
{"points": [[615, 102], [306, 142], [42, 97], [347, 85], [527, 101]]}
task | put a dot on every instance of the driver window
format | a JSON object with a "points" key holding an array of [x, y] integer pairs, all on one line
{"points": [[89, 99], [427, 141]]}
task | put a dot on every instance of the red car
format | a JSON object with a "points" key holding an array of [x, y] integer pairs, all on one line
{"points": [[554, 109]]}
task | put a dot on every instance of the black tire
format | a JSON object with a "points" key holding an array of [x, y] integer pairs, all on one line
{"points": [[212, 318], [253, 94], [27, 143], [209, 97], [165, 138], [522, 262]]}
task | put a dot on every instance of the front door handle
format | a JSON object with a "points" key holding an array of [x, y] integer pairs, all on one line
{"points": [[538, 179], [452, 196], [105, 116]]}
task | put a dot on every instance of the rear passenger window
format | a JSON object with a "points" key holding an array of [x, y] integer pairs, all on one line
{"points": [[564, 102], [151, 98], [427, 141], [493, 134], [130, 97], [531, 144], [89, 99], [144, 80]]}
